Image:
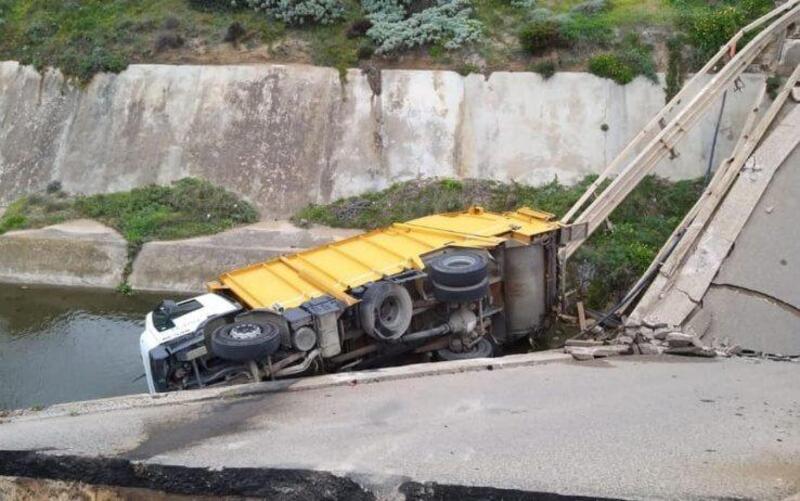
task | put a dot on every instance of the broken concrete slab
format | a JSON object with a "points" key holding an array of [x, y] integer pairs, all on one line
{"points": [[81, 253], [649, 349], [592, 352], [672, 299], [790, 56], [186, 265], [680, 339], [751, 321], [766, 257], [696, 351]]}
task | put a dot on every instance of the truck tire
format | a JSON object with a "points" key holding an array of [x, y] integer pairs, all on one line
{"points": [[261, 316], [482, 349], [464, 294], [459, 269], [386, 311], [245, 341]]}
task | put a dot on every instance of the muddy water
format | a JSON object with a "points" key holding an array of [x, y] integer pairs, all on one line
{"points": [[60, 345]]}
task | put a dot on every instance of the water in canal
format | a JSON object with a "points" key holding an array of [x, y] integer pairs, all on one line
{"points": [[59, 345]]}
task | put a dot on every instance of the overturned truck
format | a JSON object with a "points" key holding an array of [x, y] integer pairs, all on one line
{"points": [[456, 285]]}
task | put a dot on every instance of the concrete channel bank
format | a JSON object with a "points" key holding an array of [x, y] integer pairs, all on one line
{"points": [[283, 136], [85, 253]]}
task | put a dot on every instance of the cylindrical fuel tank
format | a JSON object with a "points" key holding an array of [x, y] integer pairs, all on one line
{"points": [[525, 289]]}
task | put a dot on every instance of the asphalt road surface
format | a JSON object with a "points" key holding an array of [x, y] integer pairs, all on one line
{"points": [[665, 427]]}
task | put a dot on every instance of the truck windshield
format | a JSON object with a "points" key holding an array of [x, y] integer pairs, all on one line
{"points": [[167, 311]]}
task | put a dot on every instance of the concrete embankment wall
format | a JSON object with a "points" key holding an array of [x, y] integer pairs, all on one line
{"points": [[85, 253], [79, 253], [286, 135]]}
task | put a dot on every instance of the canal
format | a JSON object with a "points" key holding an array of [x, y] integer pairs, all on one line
{"points": [[60, 345]]}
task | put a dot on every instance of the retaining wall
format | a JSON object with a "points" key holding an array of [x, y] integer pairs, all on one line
{"points": [[286, 135], [77, 253], [86, 253]]}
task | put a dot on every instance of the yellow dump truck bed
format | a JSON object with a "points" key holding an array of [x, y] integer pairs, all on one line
{"points": [[289, 281]]}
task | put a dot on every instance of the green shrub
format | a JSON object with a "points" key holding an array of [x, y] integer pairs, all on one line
{"points": [[713, 28], [589, 31], [590, 7], [168, 41], [299, 12], [395, 27], [359, 28], [539, 36], [53, 187], [235, 32], [216, 5], [774, 84], [467, 69], [710, 27], [545, 68], [12, 222], [631, 58], [548, 31], [365, 50], [611, 66], [638, 56]]}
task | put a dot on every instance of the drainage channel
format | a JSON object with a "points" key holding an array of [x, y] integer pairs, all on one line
{"points": [[65, 344], [61, 345]]}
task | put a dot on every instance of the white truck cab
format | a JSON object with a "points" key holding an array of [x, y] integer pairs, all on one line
{"points": [[171, 330]]}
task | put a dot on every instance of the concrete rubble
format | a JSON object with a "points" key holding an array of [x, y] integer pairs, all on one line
{"points": [[649, 340], [735, 290]]}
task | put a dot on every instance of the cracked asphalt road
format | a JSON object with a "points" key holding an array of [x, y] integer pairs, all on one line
{"points": [[665, 427]]}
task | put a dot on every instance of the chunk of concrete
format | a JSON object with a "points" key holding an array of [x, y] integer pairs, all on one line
{"points": [[679, 339], [650, 349], [186, 265], [790, 56], [76, 253], [696, 351], [589, 353]]}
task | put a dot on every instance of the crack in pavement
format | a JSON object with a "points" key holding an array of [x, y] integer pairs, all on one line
{"points": [[761, 295]]}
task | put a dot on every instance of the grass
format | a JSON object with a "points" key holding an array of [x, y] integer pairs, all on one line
{"points": [[83, 37], [188, 208], [602, 269], [330, 45]]}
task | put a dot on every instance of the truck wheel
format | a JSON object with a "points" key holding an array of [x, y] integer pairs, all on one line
{"points": [[482, 349], [263, 316], [463, 294], [244, 341], [459, 269], [386, 311]]}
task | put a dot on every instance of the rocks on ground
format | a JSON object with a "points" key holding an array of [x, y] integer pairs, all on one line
{"points": [[648, 340]]}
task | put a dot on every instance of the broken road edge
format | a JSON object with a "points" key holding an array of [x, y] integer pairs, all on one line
{"points": [[296, 384]]}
